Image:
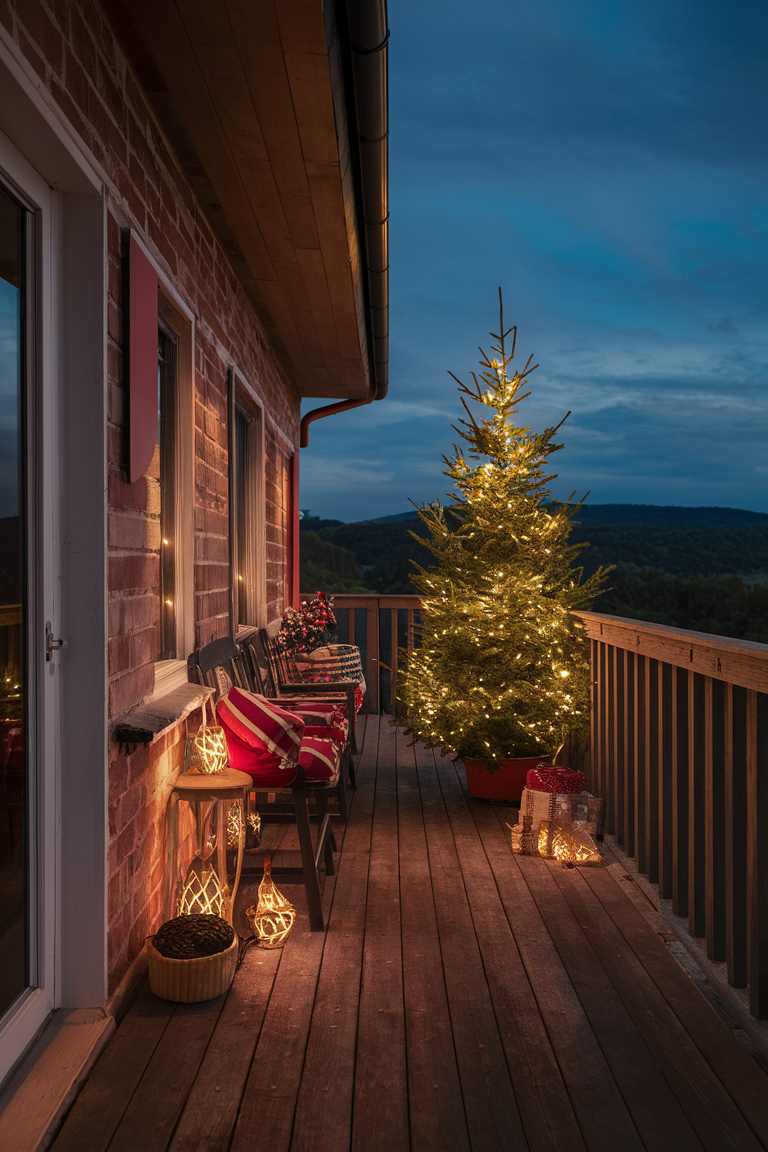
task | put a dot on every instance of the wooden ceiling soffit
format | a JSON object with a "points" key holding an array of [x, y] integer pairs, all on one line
{"points": [[244, 91]]}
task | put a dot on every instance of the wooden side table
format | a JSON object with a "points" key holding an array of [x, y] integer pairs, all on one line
{"points": [[207, 795]]}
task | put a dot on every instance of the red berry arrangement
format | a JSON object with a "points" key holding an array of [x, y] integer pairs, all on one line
{"points": [[309, 627]]}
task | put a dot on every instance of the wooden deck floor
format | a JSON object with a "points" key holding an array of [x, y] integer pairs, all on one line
{"points": [[461, 998]]}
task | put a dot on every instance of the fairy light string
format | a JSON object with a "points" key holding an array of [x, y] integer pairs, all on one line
{"points": [[503, 667]]}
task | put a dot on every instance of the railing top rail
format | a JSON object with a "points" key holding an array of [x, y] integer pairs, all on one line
{"points": [[741, 662], [364, 599]]}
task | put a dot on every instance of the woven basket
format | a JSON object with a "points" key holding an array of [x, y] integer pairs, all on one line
{"points": [[189, 981], [336, 662]]}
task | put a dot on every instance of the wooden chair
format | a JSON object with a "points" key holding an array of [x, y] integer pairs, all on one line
{"points": [[221, 664], [288, 681], [268, 673]]}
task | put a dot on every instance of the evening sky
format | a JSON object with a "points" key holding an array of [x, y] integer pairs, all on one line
{"points": [[604, 161]]}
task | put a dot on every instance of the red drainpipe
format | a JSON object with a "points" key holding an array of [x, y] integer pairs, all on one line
{"points": [[328, 410], [315, 414]]}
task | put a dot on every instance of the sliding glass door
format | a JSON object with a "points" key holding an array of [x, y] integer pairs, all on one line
{"points": [[15, 798]]}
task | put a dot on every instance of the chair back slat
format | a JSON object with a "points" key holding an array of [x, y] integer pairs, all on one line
{"points": [[219, 661]]}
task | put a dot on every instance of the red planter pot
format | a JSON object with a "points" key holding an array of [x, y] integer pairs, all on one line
{"points": [[506, 784]]}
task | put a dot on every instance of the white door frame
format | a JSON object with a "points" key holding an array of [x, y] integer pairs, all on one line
{"points": [[51, 168], [35, 1004]]}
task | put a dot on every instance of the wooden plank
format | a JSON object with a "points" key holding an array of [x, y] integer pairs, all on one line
{"points": [[680, 772], [603, 1117], [96, 1113], [696, 802], [714, 831], [757, 851], [156, 1105], [735, 817], [732, 1064], [493, 1119], [210, 1111], [436, 1110], [548, 1117], [741, 662], [658, 1117], [324, 1108], [266, 1112], [715, 1118], [380, 1111]]}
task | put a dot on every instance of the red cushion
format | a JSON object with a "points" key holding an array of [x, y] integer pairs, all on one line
{"points": [[320, 757], [262, 766], [261, 724]]}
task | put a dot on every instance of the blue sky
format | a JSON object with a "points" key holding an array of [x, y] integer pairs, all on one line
{"points": [[605, 163]]}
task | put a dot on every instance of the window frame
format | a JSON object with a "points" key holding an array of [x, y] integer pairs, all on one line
{"points": [[241, 395], [179, 320]]}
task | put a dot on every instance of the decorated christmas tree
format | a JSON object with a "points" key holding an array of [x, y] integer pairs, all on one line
{"points": [[503, 668]]}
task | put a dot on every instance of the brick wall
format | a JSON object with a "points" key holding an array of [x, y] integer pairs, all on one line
{"points": [[71, 46]]}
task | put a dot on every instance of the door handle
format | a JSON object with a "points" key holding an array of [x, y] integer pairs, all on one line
{"points": [[51, 645]]}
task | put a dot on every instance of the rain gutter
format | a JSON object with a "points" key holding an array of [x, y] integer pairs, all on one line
{"points": [[363, 37]]}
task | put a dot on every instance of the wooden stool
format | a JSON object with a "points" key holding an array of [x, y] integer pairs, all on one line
{"points": [[206, 794]]}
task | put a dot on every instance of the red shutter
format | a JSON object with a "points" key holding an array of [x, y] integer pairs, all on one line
{"points": [[142, 360]]}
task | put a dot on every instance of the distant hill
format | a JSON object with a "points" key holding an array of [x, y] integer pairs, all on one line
{"points": [[668, 514], [675, 565]]}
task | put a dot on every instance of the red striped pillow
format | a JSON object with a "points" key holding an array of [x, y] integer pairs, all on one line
{"points": [[261, 723], [320, 757], [266, 770]]}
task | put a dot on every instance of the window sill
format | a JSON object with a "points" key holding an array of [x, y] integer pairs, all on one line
{"points": [[147, 723], [169, 675]]}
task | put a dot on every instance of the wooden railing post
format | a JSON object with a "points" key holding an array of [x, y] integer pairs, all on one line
{"points": [[735, 820], [629, 752], [609, 743], [714, 798], [697, 841], [680, 774], [665, 777], [618, 744], [757, 851], [652, 771], [640, 767]]}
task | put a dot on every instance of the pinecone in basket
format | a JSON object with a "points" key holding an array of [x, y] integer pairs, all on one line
{"points": [[188, 937]]}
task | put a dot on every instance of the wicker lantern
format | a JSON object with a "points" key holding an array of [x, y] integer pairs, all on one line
{"points": [[274, 916], [202, 891], [209, 748]]}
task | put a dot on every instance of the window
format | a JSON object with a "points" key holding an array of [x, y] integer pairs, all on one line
{"points": [[167, 387], [247, 550], [175, 472]]}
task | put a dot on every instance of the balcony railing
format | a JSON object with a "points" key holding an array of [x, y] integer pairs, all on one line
{"points": [[380, 626], [679, 749]]}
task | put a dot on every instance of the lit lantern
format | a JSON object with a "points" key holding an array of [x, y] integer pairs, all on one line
{"points": [[274, 916], [569, 845], [202, 891], [209, 748]]}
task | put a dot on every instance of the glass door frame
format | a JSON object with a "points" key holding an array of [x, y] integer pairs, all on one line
{"points": [[28, 1014]]}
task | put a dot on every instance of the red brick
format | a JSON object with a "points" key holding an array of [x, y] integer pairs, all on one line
{"points": [[134, 572]]}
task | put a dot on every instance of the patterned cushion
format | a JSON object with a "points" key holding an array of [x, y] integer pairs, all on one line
{"points": [[261, 724], [265, 769], [320, 757], [301, 706]]}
